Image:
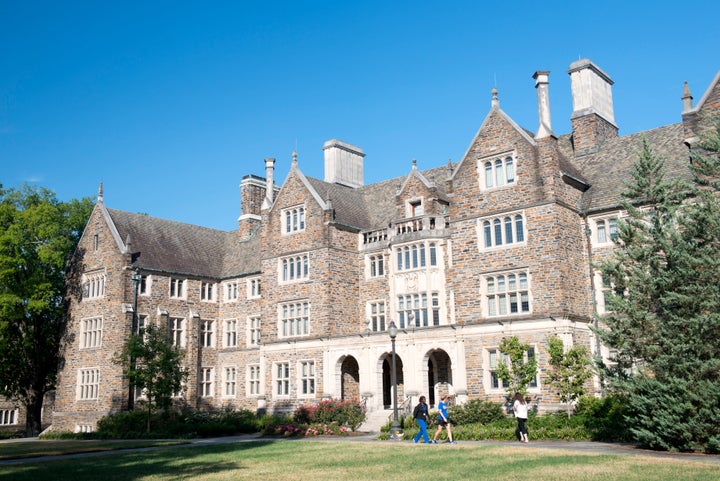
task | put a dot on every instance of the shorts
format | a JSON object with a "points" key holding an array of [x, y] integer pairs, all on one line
{"points": [[442, 422]]}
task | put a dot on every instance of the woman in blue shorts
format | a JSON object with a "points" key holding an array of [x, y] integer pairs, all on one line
{"points": [[443, 420]]}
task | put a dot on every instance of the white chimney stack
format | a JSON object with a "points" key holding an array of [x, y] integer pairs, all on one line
{"points": [[343, 163], [543, 97]]}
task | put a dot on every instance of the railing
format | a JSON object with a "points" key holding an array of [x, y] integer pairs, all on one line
{"points": [[416, 224]]}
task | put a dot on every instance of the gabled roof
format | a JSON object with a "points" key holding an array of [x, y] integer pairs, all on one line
{"points": [[179, 248]]}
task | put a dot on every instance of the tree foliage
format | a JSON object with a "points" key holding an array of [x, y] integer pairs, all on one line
{"points": [[520, 370], [664, 318], [152, 365], [569, 370], [38, 234]]}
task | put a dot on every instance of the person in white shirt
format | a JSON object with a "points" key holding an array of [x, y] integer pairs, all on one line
{"points": [[521, 414]]}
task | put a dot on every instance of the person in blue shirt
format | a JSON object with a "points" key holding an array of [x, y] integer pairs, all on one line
{"points": [[421, 415], [443, 420]]}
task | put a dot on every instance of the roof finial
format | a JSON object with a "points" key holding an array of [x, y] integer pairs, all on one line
{"points": [[687, 98], [100, 192], [495, 103], [294, 158], [414, 163]]}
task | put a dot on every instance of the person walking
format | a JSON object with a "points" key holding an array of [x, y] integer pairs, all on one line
{"points": [[420, 414], [521, 414], [443, 420]]}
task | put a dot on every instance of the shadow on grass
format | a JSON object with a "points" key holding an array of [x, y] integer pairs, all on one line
{"points": [[175, 463]]}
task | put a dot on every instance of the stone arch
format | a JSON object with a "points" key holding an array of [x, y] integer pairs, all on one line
{"points": [[385, 369], [349, 378], [439, 375]]}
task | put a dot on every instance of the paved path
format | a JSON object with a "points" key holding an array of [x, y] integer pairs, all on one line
{"points": [[583, 446]]}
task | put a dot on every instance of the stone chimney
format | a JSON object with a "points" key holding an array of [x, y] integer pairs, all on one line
{"points": [[252, 194], [543, 97], [343, 163], [593, 120], [270, 176]]}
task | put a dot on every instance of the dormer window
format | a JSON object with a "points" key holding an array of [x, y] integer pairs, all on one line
{"points": [[416, 208]]}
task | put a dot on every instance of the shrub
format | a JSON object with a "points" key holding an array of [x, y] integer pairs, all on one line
{"points": [[476, 411], [348, 413], [604, 417]]}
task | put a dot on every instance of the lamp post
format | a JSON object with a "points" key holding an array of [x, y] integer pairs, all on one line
{"points": [[136, 278], [395, 427]]}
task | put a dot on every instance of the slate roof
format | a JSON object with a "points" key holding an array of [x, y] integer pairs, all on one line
{"points": [[179, 248], [608, 169]]}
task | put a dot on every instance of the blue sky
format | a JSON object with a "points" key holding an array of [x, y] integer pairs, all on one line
{"points": [[170, 103]]}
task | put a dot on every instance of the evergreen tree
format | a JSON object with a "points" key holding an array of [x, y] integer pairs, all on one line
{"points": [[153, 366], [38, 234], [664, 317], [569, 370], [519, 372]]}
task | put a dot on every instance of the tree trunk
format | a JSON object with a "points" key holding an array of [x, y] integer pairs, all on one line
{"points": [[33, 414]]}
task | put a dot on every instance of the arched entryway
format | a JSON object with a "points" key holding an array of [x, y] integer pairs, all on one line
{"points": [[387, 380], [349, 379], [439, 376]]}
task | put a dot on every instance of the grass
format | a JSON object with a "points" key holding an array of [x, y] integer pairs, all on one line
{"points": [[31, 449], [285, 460]]}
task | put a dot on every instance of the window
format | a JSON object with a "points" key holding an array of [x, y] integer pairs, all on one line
{"points": [[416, 209], [207, 384], [207, 333], [176, 326], [307, 378], [177, 288], [293, 220], [253, 337], [498, 172], [141, 325], [294, 319], [496, 356], [416, 256], [145, 283], [606, 230], [503, 230], [507, 294], [231, 291], [414, 310], [230, 382], [91, 332], [96, 242], [231, 333], [377, 316], [282, 379], [254, 288], [8, 417], [207, 291], [377, 265], [93, 285], [253, 380], [88, 384], [295, 268]]}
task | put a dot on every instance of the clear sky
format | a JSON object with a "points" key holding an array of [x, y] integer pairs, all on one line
{"points": [[170, 103]]}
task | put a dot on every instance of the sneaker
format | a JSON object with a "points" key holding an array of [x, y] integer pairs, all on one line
{"points": [[415, 441], [433, 441], [453, 442]]}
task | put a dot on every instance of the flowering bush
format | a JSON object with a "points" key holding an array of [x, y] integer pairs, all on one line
{"points": [[348, 413]]}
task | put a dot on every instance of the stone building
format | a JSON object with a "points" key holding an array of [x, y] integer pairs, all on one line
{"points": [[294, 306]]}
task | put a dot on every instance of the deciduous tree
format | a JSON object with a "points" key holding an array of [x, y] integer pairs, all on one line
{"points": [[38, 234]]}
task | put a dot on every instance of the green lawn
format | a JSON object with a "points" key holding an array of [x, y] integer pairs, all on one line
{"points": [[340, 460], [33, 448]]}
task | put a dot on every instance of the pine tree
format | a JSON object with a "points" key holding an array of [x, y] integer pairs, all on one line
{"points": [[664, 315]]}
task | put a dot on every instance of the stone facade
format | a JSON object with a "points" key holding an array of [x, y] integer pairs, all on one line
{"points": [[295, 305]]}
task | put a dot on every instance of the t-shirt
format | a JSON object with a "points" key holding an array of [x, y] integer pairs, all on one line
{"points": [[520, 410], [442, 407]]}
